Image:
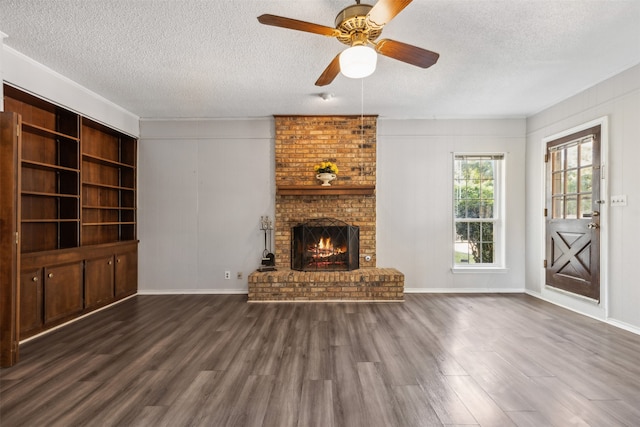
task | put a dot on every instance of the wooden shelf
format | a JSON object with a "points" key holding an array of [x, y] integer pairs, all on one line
{"points": [[47, 166], [42, 194], [333, 190], [106, 162], [100, 224], [54, 220], [111, 208], [47, 132], [113, 187]]}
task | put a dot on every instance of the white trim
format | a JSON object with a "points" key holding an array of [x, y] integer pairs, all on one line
{"points": [[609, 321], [75, 319], [192, 292], [464, 290], [622, 325], [29, 75], [500, 222], [475, 270], [548, 293]]}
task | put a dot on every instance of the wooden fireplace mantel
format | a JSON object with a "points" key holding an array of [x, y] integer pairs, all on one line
{"points": [[318, 190]]}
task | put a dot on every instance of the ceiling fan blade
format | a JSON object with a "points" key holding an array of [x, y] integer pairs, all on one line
{"points": [[294, 24], [385, 10], [406, 53], [330, 72]]}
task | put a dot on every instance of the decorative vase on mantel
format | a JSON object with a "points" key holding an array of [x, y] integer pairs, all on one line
{"points": [[326, 178]]}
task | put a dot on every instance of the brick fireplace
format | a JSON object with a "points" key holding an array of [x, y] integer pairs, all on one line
{"points": [[300, 143]]}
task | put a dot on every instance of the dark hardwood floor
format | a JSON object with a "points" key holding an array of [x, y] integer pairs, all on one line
{"points": [[200, 360]]}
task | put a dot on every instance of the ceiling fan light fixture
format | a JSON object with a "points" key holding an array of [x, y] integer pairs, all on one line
{"points": [[357, 62]]}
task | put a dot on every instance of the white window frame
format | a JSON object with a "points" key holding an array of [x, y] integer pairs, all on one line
{"points": [[498, 220]]}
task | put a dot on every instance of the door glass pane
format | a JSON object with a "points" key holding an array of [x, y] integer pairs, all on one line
{"points": [[558, 183], [558, 207], [585, 179], [572, 157], [557, 160], [572, 181], [586, 149], [571, 207], [586, 210]]}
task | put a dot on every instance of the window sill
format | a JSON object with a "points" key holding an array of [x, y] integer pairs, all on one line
{"points": [[475, 270]]}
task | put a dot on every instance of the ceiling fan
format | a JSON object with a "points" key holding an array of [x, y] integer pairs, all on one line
{"points": [[359, 26]]}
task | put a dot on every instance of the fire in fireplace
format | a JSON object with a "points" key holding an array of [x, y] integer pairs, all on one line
{"points": [[325, 244]]}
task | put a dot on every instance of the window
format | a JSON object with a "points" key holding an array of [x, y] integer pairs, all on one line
{"points": [[478, 210]]}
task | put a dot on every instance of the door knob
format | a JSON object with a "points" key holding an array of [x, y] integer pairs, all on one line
{"points": [[593, 225]]}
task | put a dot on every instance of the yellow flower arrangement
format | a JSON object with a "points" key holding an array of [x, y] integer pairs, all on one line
{"points": [[326, 167]]}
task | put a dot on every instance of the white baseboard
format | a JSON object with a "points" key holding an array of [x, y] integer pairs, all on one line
{"points": [[192, 292], [48, 331], [623, 325], [610, 321], [463, 291]]}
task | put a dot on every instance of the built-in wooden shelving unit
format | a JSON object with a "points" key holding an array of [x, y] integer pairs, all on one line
{"points": [[75, 229]]}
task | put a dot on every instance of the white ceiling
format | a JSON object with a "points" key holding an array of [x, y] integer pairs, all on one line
{"points": [[211, 58]]}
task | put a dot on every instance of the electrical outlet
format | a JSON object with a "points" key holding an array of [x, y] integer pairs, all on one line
{"points": [[227, 275], [620, 200], [239, 275]]}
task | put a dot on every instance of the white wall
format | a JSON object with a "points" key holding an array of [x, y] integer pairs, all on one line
{"points": [[202, 187], [415, 205], [618, 99]]}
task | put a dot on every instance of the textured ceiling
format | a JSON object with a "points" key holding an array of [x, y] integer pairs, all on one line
{"points": [[211, 58]]}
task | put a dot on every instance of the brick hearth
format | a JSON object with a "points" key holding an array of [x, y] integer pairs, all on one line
{"points": [[370, 284], [300, 143]]}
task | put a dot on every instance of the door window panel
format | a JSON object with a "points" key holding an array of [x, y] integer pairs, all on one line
{"points": [[586, 204], [572, 179], [585, 179]]}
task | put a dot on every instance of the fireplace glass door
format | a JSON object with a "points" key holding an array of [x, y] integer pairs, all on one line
{"points": [[325, 244]]}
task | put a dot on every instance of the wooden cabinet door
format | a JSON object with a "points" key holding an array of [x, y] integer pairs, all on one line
{"points": [[31, 314], [126, 273], [9, 239], [98, 281], [63, 291]]}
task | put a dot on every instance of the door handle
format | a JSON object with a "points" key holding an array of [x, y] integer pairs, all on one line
{"points": [[593, 225]]}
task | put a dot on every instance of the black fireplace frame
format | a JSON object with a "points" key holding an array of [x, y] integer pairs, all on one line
{"points": [[306, 234]]}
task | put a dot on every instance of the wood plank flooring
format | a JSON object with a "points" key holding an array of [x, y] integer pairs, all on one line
{"points": [[211, 360]]}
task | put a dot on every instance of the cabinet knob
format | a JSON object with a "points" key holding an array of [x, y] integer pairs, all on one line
{"points": [[50, 275], [35, 278], [110, 262], [118, 260]]}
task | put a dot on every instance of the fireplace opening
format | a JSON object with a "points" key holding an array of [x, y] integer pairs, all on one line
{"points": [[325, 244]]}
